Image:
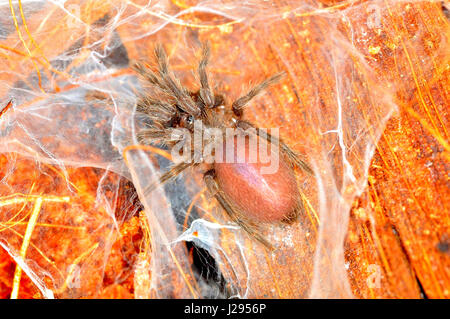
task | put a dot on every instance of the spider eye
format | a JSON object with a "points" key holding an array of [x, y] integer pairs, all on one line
{"points": [[190, 120], [187, 121]]}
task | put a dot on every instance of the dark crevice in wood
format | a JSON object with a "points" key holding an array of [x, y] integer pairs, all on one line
{"points": [[405, 252], [422, 291]]}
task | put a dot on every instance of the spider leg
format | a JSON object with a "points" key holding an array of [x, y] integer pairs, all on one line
{"points": [[205, 91], [148, 74], [166, 136], [239, 104], [158, 111], [167, 176], [232, 212], [172, 85], [293, 157]]}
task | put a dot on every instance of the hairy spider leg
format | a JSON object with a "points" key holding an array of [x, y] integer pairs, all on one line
{"points": [[173, 85], [292, 156], [206, 93], [171, 174], [240, 103]]}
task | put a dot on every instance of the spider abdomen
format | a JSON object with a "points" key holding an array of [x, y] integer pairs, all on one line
{"points": [[268, 197]]}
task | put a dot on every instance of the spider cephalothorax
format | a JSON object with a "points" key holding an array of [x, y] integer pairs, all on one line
{"points": [[248, 196]]}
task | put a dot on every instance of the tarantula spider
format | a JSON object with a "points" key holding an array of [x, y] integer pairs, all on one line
{"points": [[248, 196]]}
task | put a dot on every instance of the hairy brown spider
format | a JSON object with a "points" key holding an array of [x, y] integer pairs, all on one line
{"points": [[247, 196]]}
